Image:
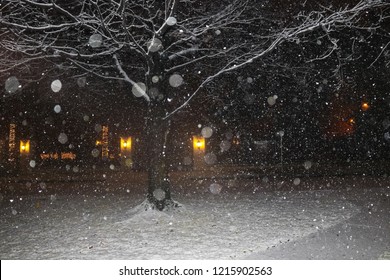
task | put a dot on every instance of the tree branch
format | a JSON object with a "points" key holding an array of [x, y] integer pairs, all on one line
{"points": [[127, 78]]}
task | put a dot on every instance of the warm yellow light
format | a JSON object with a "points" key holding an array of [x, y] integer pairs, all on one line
{"points": [[125, 144], [365, 106], [199, 143], [351, 120], [98, 143], [68, 155], [24, 146]]}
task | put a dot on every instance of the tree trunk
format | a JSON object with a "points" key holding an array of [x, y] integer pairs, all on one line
{"points": [[159, 187]]}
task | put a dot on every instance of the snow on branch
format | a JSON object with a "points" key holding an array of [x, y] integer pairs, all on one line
{"points": [[127, 78], [170, 9], [163, 37], [325, 20]]}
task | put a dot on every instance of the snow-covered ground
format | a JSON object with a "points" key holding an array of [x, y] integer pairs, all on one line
{"points": [[215, 222]]}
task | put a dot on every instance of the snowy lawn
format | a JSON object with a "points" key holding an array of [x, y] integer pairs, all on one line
{"points": [[209, 226]]}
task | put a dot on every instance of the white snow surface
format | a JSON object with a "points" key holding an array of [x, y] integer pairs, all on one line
{"points": [[207, 226]]}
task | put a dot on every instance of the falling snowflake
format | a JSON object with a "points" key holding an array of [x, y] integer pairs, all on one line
{"points": [[56, 86], [12, 84], [95, 41]]}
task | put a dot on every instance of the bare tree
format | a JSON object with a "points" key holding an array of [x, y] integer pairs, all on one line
{"points": [[167, 51]]}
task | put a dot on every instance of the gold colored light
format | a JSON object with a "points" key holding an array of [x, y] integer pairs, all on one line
{"points": [[24, 146], [365, 106], [199, 143], [125, 144]]}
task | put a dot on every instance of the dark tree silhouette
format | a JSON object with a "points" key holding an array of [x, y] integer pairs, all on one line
{"points": [[167, 51]]}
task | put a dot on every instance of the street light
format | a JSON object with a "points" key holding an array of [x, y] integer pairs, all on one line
{"points": [[199, 150], [281, 134], [126, 151], [125, 144], [24, 150], [365, 106], [199, 143], [25, 147]]}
